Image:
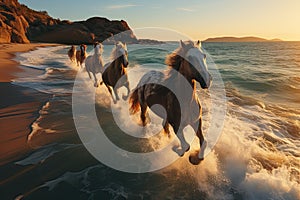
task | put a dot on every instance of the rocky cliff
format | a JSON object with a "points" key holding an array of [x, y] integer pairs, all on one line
{"points": [[20, 24]]}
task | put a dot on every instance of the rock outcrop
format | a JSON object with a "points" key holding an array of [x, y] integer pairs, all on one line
{"points": [[20, 24]]}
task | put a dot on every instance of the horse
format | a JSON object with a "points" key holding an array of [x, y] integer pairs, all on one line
{"points": [[94, 63], [115, 74], [81, 55], [72, 53], [189, 61]]}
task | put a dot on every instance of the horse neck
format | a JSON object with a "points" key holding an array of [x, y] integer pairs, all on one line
{"points": [[180, 84], [97, 51], [118, 66]]}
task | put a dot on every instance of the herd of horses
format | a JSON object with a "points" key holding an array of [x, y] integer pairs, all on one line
{"points": [[187, 61]]}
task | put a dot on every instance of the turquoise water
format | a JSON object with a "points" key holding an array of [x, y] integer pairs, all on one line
{"points": [[267, 69], [256, 157]]}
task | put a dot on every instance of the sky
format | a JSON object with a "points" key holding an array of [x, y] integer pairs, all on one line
{"points": [[198, 19]]}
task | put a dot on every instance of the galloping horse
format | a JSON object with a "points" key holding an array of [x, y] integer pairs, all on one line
{"points": [[115, 74], [81, 55], [94, 63], [72, 53], [189, 62]]}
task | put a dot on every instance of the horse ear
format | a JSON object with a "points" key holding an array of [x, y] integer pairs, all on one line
{"points": [[182, 44], [125, 46]]}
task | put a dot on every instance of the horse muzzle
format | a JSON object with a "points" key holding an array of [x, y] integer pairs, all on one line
{"points": [[205, 84], [125, 64]]}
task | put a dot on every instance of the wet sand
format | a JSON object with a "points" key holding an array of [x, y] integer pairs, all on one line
{"points": [[19, 106]]}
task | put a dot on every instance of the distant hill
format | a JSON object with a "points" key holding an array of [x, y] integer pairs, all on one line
{"points": [[150, 42], [20, 24], [240, 39]]}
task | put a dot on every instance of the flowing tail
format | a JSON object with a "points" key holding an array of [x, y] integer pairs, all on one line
{"points": [[134, 101]]}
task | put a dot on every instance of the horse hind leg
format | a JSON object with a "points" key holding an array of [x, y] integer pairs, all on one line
{"points": [[198, 156], [143, 113], [166, 128]]}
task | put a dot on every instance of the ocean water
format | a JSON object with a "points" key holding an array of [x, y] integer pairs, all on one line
{"points": [[256, 157]]}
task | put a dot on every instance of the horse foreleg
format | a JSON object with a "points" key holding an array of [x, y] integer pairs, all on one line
{"points": [[110, 91], [184, 146], [89, 74], [199, 156], [96, 80], [116, 93], [128, 91]]}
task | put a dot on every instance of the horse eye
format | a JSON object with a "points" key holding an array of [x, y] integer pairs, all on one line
{"points": [[204, 56]]}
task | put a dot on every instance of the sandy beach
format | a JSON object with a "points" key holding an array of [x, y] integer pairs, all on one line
{"points": [[18, 105]]}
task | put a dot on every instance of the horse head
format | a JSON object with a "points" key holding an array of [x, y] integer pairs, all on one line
{"points": [[121, 53], [83, 49], [98, 48], [194, 63]]}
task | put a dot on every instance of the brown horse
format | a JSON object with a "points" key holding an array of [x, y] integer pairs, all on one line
{"points": [[115, 74], [175, 92], [81, 55], [72, 53]]}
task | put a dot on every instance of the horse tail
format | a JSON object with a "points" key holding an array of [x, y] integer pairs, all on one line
{"points": [[134, 101]]}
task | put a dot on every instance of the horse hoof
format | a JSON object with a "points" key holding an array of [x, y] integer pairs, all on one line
{"points": [[194, 159], [188, 149], [180, 152]]}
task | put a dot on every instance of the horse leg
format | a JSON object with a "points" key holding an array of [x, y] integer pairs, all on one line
{"points": [[128, 91], [116, 93], [166, 127], [89, 74], [184, 146], [183, 143], [96, 80], [110, 91], [143, 113], [197, 157]]}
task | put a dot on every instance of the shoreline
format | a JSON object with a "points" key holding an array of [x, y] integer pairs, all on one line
{"points": [[19, 106]]}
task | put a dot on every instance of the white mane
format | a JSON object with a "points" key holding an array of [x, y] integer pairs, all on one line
{"points": [[118, 50]]}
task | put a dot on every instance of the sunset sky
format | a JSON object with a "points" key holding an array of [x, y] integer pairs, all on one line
{"points": [[197, 18]]}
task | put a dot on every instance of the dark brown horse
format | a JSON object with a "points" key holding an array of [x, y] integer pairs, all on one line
{"points": [[175, 92], [72, 53], [81, 55], [115, 74]]}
